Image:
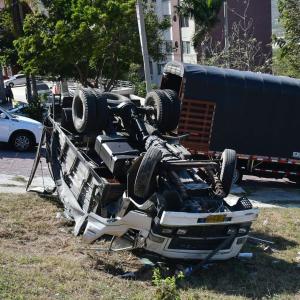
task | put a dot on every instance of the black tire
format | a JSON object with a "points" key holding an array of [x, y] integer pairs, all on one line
{"points": [[67, 120], [84, 111], [22, 141], [11, 84], [115, 99], [238, 176], [227, 170], [162, 105], [102, 110], [176, 107], [142, 185]]}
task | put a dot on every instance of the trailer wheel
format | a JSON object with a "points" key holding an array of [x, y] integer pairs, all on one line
{"points": [[227, 169], [163, 109], [142, 185], [84, 110]]}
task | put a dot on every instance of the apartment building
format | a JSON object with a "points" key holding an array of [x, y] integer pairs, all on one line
{"points": [[178, 44]]}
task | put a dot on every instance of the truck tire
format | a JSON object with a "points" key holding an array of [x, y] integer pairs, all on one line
{"points": [[176, 107], [115, 99], [102, 110], [163, 109], [238, 176], [227, 169], [84, 110], [142, 185], [67, 120]]}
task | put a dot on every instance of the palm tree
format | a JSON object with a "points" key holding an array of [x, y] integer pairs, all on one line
{"points": [[205, 14]]}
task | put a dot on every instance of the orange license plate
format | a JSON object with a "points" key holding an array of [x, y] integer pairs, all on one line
{"points": [[215, 219]]}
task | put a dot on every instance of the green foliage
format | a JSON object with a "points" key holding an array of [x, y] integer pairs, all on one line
{"points": [[35, 110], [282, 65], [92, 41], [8, 53], [205, 13], [290, 45], [136, 77], [166, 287]]}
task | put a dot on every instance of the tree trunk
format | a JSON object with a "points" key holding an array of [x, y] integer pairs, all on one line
{"points": [[35, 95], [2, 89], [28, 90]]}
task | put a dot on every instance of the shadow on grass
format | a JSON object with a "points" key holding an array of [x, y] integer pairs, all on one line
{"points": [[263, 276], [280, 243]]}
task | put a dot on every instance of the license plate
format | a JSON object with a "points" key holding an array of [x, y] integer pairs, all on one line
{"points": [[215, 219]]}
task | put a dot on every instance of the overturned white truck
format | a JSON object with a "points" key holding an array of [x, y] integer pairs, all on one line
{"points": [[120, 170]]}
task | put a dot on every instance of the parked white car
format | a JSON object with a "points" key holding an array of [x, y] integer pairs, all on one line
{"points": [[18, 79], [21, 132]]}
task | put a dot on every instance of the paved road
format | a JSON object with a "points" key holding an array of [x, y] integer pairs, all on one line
{"points": [[19, 164], [14, 165]]}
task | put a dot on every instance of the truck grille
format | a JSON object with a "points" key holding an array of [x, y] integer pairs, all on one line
{"points": [[186, 244]]}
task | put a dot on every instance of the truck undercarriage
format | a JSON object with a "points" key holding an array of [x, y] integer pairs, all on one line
{"points": [[120, 170]]}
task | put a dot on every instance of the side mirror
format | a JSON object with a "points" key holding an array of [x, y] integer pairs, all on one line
{"points": [[2, 116]]}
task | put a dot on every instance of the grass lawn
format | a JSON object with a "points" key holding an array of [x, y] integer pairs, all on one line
{"points": [[41, 259]]}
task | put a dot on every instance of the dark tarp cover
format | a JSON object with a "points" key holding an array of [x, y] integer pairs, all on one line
{"points": [[257, 114]]}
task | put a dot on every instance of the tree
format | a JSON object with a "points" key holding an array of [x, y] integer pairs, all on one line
{"points": [[91, 41], [290, 45], [8, 53], [205, 14], [244, 51]]}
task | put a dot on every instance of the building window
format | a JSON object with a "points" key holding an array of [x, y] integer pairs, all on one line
{"points": [[160, 68], [186, 47], [168, 47], [185, 22]]}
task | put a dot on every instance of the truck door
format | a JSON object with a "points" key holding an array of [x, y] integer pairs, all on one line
{"points": [[4, 127]]}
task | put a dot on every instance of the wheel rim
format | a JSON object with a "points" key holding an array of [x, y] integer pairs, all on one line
{"points": [[22, 142]]}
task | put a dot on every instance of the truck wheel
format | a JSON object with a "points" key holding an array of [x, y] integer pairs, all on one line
{"points": [[142, 185], [163, 109], [67, 120], [115, 99], [102, 110], [84, 110], [237, 177], [227, 169], [176, 107], [22, 141]]}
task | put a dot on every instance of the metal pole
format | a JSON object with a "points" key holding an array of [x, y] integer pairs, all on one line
{"points": [[226, 29], [143, 39]]}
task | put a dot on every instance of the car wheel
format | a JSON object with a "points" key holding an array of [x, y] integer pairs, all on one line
{"points": [[11, 84], [22, 142], [228, 168]]}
